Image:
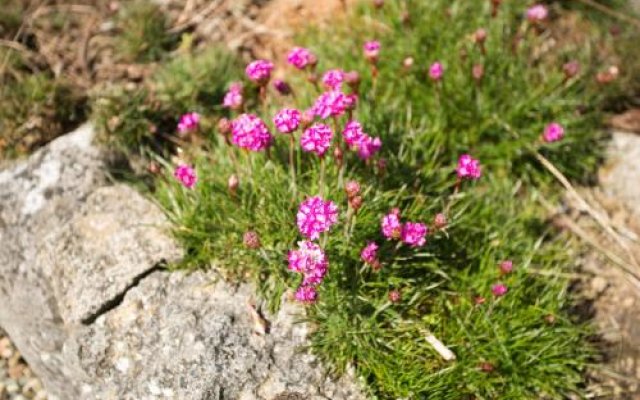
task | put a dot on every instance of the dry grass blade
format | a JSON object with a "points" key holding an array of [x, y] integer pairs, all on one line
{"points": [[608, 10]]}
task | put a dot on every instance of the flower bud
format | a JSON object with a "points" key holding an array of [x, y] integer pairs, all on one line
{"points": [[282, 87], [382, 165], [355, 202], [352, 188], [477, 72], [338, 156], [506, 267], [251, 240], [352, 78], [440, 221], [378, 3], [224, 126], [233, 184], [480, 36], [395, 296], [307, 119], [571, 69], [154, 168], [478, 300], [486, 367]]}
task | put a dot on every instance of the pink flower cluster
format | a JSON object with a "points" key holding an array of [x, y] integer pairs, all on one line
{"points": [[330, 104], [369, 255], [315, 215], [186, 175], [310, 261], [300, 57], [436, 71], [468, 167], [189, 122], [553, 132], [233, 98], [411, 233], [537, 13], [317, 139], [357, 139], [250, 132], [287, 120], [333, 79], [259, 71]]}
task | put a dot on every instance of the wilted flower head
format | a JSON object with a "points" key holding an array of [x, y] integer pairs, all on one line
{"points": [[414, 233], [368, 146], [250, 132], [352, 133], [189, 122], [287, 120], [506, 266], [259, 71], [306, 294], [369, 253], [391, 226], [233, 183], [186, 175], [282, 87], [436, 70], [468, 167], [372, 50], [315, 215], [355, 202], [537, 13], [233, 98], [352, 188], [609, 75], [251, 240], [499, 289], [224, 126], [310, 261], [300, 57], [317, 139], [553, 132], [571, 69], [333, 79], [330, 104]]}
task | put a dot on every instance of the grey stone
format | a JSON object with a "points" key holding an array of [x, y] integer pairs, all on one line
{"points": [[619, 177], [84, 300]]}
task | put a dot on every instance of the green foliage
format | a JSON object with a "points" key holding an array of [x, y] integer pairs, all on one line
{"points": [[35, 110], [143, 35], [131, 117]]}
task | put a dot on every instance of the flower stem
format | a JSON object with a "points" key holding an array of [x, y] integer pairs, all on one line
{"points": [[294, 184], [321, 183]]}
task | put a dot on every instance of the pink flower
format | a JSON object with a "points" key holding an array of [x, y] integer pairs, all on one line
{"points": [[391, 226], [317, 139], [287, 120], [333, 79], [300, 57], [571, 69], [189, 122], [553, 132], [537, 13], [440, 221], [259, 71], [186, 175], [352, 133], [350, 101], [506, 266], [310, 261], [307, 294], [316, 216], [330, 104], [370, 253], [436, 70], [368, 146], [413, 234], [233, 98], [250, 132], [499, 289], [395, 296], [372, 50], [468, 167]]}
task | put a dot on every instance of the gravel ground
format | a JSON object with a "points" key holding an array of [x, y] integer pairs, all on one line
{"points": [[17, 381]]}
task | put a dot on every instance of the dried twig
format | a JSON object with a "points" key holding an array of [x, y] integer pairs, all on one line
{"points": [[608, 10], [439, 347]]}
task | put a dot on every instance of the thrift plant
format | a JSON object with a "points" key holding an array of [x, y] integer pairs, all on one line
{"points": [[388, 182]]}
